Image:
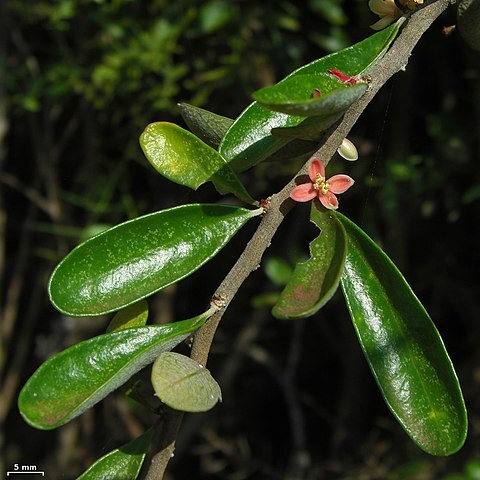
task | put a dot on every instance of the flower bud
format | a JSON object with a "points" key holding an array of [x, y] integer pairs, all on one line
{"points": [[347, 150]]}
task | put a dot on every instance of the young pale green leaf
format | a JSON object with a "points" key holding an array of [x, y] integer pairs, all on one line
{"points": [[138, 258], [315, 281], [183, 384], [249, 140], [124, 463], [206, 125], [74, 380], [183, 158], [403, 348], [294, 95], [135, 315]]}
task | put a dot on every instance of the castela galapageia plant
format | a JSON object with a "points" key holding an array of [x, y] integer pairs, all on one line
{"points": [[117, 270]]}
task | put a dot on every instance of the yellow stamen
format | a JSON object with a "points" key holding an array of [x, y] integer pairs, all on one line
{"points": [[321, 184]]}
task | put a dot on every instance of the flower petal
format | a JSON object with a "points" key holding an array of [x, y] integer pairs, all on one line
{"points": [[340, 183], [329, 200], [382, 23], [303, 193], [315, 167], [382, 7]]}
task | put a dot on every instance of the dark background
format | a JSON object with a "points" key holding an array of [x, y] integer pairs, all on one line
{"points": [[80, 79]]}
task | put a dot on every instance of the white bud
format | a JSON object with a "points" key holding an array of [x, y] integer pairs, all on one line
{"points": [[347, 150]]}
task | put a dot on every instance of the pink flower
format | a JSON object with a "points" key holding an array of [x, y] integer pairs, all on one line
{"points": [[320, 187]]}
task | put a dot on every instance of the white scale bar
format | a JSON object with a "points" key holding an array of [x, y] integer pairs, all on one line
{"points": [[21, 473]]}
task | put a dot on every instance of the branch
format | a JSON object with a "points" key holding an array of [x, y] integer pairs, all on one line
{"points": [[394, 60]]}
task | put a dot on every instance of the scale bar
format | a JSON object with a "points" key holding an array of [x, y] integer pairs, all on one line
{"points": [[26, 472]]}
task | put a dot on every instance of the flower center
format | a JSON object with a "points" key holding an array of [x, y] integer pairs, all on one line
{"points": [[321, 184]]}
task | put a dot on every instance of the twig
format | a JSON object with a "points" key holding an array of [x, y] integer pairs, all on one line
{"points": [[29, 192], [165, 433], [394, 61]]}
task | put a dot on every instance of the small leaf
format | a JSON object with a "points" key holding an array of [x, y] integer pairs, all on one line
{"points": [[124, 463], [140, 257], [183, 158], [135, 315], [294, 95], [315, 281], [183, 384], [79, 377], [249, 140], [206, 125], [403, 348]]}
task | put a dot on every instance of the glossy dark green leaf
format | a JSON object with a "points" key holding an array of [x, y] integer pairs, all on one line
{"points": [[315, 281], [310, 129], [206, 125], [403, 348], [135, 315], [211, 128], [183, 384], [79, 377], [249, 140], [183, 158], [138, 258], [295, 148], [294, 95], [123, 463]]}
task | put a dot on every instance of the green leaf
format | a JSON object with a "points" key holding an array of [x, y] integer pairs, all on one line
{"points": [[294, 95], [183, 384], [123, 463], [295, 148], [211, 128], [183, 158], [310, 129], [249, 140], [140, 257], [315, 281], [206, 125], [74, 380], [135, 315], [403, 348]]}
